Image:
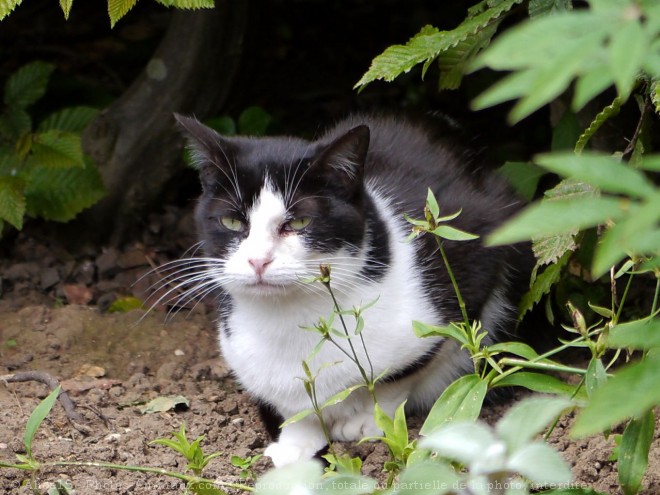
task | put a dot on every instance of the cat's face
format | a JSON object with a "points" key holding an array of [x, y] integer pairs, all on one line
{"points": [[274, 209]]}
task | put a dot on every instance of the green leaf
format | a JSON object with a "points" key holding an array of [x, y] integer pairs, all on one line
{"points": [[528, 418], [592, 82], [125, 304], [341, 396], [60, 194], [71, 119], [462, 441], [12, 201], [297, 417], [632, 391], [558, 216], [27, 84], [542, 285], [462, 400], [634, 452], [204, 488], [348, 484], [427, 478], [188, 4], [596, 376], [6, 6], [65, 5], [602, 171], [540, 464], [57, 149], [524, 177], [544, 7], [537, 382], [603, 116], [450, 331], [36, 418], [432, 203], [118, 9], [293, 478], [164, 404], [14, 123], [639, 334], [627, 49], [254, 121], [453, 234]]}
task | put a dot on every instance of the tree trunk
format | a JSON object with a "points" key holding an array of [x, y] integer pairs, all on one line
{"points": [[135, 142]]}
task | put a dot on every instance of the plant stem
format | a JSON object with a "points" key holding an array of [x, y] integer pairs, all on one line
{"points": [[521, 363], [145, 469], [461, 303]]}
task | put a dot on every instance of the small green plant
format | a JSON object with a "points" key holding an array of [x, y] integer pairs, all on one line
{"points": [[43, 171], [246, 464], [193, 453]]}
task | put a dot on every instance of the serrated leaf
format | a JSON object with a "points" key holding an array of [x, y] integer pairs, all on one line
{"points": [[27, 84], [164, 404], [545, 7], [542, 285], [71, 119], [36, 418], [528, 418], [610, 111], [12, 201], [14, 123], [638, 383], [118, 9], [65, 5], [188, 4], [634, 452], [602, 171], [60, 194], [462, 400], [6, 6], [56, 149], [557, 217], [549, 249]]}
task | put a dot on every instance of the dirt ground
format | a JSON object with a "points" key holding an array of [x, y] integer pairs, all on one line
{"points": [[53, 318]]}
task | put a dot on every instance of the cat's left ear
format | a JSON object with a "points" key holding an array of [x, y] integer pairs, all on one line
{"points": [[346, 155]]}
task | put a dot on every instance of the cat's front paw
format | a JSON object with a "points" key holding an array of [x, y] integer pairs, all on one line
{"points": [[288, 453], [356, 428]]}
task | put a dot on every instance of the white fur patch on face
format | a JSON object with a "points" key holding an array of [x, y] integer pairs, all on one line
{"points": [[266, 262]]}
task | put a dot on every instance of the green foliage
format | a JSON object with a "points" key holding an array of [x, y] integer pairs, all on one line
{"points": [[116, 8], [193, 453], [43, 171]]}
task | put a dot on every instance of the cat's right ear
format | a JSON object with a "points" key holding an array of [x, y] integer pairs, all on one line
{"points": [[210, 152]]}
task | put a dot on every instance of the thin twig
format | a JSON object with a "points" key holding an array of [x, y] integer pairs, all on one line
{"points": [[52, 383]]}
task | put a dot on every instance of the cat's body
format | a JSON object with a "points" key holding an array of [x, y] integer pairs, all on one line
{"points": [[275, 209]]}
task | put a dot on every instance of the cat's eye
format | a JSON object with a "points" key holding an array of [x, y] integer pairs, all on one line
{"points": [[297, 224], [233, 224]]}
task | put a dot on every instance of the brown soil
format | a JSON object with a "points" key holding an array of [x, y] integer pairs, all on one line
{"points": [[112, 363]]}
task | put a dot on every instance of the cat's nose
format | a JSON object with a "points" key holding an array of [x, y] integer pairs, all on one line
{"points": [[259, 264]]}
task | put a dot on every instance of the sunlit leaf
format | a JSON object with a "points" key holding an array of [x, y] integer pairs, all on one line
{"points": [[36, 418], [634, 452]]}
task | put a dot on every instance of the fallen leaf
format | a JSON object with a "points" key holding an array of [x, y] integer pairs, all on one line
{"points": [[163, 404]]}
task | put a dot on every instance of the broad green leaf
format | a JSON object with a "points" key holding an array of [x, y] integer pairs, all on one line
{"points": [[537, 382], [540, 464], [71, 119], [348, 484], [14, 124], [627, 49], [453, 234], [450, 331], [632, 391], [297, 417], [524, 177], [638, 334], [462, 400], [596, 376], [118, 9], [432, 204], [27, 84], [542, 285], [12, 201], [56, 149], [602, 171], [566, 132], [634, 452], [462, 441], [60, 194], [65, 5], [558, 216], [427, 478], [36, 418], [528, 418], [290, 479]]}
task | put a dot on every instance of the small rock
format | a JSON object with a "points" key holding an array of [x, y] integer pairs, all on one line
{"points": [[77, 294], [179, 352], [112, 437], [84, 272], [3, 446], [230, 407], [133, 258], [237, 421], [106, 263], [49, 277], [91, 370]]}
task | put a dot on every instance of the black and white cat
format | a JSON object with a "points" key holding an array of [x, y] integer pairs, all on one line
{"points": [[274, 209]]}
